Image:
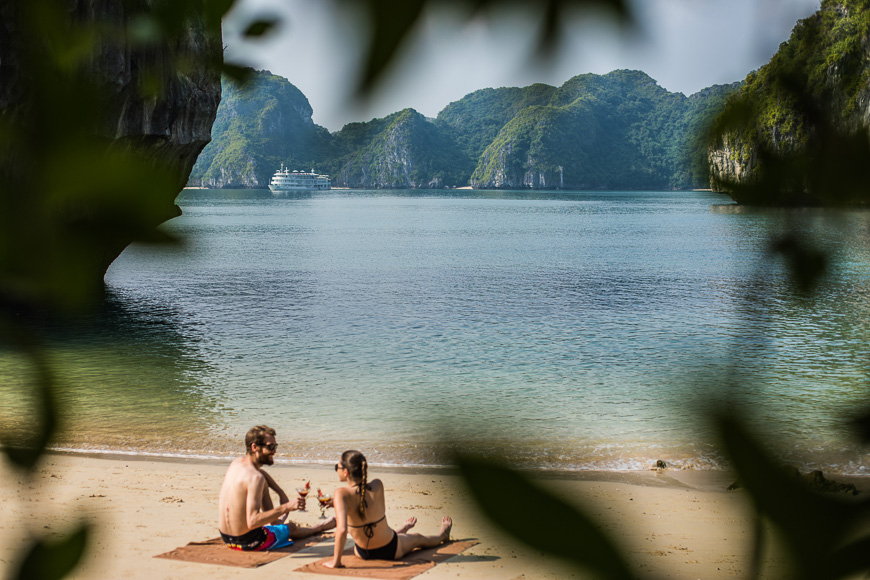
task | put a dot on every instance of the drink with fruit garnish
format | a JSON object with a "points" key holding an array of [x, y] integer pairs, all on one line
{"points": [[303, 491], [324, 503]]}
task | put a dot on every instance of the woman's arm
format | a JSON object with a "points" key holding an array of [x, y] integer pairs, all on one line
{"points": [[340, 527]]}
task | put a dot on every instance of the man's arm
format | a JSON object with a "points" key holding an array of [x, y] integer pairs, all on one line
{"points": [[282, 497], [254, 503]]}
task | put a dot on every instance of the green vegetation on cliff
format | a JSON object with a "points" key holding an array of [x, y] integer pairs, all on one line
{"points": [[619, 130], [796, 133], [259, 126], [476, 119], [403, 150]]}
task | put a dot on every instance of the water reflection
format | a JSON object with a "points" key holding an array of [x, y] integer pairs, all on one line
{"points": [[594, 327], [798, 365], [125, 378]]}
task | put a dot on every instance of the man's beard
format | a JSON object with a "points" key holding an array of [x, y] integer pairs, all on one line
{"points": [[267, 460]]}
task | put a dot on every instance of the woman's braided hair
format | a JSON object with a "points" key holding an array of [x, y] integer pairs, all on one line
{"points": [[357, 467]]}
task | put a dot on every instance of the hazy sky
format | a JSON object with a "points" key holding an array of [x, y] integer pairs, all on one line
{"points": [[685, 45]]}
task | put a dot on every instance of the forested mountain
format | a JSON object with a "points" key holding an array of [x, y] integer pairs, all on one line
{"points": [[403, 150], [619, 130], [796, 133], [475, 120], [258, 127]]}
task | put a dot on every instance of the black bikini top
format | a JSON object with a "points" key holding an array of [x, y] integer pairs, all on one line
{"points": [[369, 529]]}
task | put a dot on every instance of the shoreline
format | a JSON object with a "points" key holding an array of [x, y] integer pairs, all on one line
{"points": [[678, 524], [711, 479], [683, 465], [626, 476]]}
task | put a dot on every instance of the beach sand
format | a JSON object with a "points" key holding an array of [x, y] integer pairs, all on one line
{"points": [[673, 524]]}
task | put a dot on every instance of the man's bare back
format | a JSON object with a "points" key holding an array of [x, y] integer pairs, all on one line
{"points": [[244, 503], [243, 484]]}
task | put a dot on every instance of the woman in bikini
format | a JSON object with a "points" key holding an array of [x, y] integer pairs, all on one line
{"points": [[361, 510]]}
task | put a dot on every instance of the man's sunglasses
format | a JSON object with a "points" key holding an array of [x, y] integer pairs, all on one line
{"points": [[270, 447]]}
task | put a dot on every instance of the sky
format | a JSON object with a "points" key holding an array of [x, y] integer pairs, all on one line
{"points": [[685, 45]]}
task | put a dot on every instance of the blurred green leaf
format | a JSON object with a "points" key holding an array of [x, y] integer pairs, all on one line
{"points": [[238, 74], [70, 44], [851, 560], [807, 264], [151, 83], [144, 29], [260, 28], [173, 15], [24, 449], [861, 425], [93, 202], [554, 14], [54, 560], [812, 526], [391, 22], [535, 516], [215, 10]]}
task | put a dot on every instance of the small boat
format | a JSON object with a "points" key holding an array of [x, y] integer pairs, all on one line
{"points": [[286, 180]]}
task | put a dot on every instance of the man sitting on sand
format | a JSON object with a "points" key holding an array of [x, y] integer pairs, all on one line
{"points": [[247, 518]]}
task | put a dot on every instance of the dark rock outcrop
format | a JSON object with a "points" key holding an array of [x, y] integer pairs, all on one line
{"points": [[796, 133], [147, 97]]}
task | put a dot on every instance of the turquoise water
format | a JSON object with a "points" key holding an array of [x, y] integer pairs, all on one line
{"points": [[566, 330]]}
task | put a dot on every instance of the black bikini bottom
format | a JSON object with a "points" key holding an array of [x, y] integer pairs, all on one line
{"points": [[387, 552]]}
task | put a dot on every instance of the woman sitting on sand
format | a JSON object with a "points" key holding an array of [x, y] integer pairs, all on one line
{"points": [[360, 507]]}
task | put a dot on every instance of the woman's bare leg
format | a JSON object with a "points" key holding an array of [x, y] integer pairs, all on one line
{"points": [[408, 542], [409, 523]]}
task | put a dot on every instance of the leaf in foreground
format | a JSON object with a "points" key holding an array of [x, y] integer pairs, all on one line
{"points": [[54, 560], [540, 519], [813, 527]]}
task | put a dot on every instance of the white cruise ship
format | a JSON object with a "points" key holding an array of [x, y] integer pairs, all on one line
{"points": [[286, 180]]}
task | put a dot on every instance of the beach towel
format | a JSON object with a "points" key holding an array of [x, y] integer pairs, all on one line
{"points": [[214, 551], [411, 565]]}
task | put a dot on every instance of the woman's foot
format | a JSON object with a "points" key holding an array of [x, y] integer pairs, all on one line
{"points": [[409, 523], [446, 526]]}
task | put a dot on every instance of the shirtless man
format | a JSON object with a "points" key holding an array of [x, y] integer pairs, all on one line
{"points": [[247, 518]]}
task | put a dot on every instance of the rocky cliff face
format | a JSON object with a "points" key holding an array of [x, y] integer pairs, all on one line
{"points": [[258, 127], [796, 132], [153, 99], [476, 119], [619, 130], [405, 150], [733, 160]]}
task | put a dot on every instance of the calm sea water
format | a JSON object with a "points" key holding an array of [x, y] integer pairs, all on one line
{"points": [[565, 330]]}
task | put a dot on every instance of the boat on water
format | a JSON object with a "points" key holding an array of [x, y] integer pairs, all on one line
{"points": [[286, 180]]}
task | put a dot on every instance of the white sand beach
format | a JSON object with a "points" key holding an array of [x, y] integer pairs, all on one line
{"points": [[673, 524]]}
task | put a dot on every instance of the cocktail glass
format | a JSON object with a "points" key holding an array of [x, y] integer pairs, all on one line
{"points": [[324, 505], [302, 491]]}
